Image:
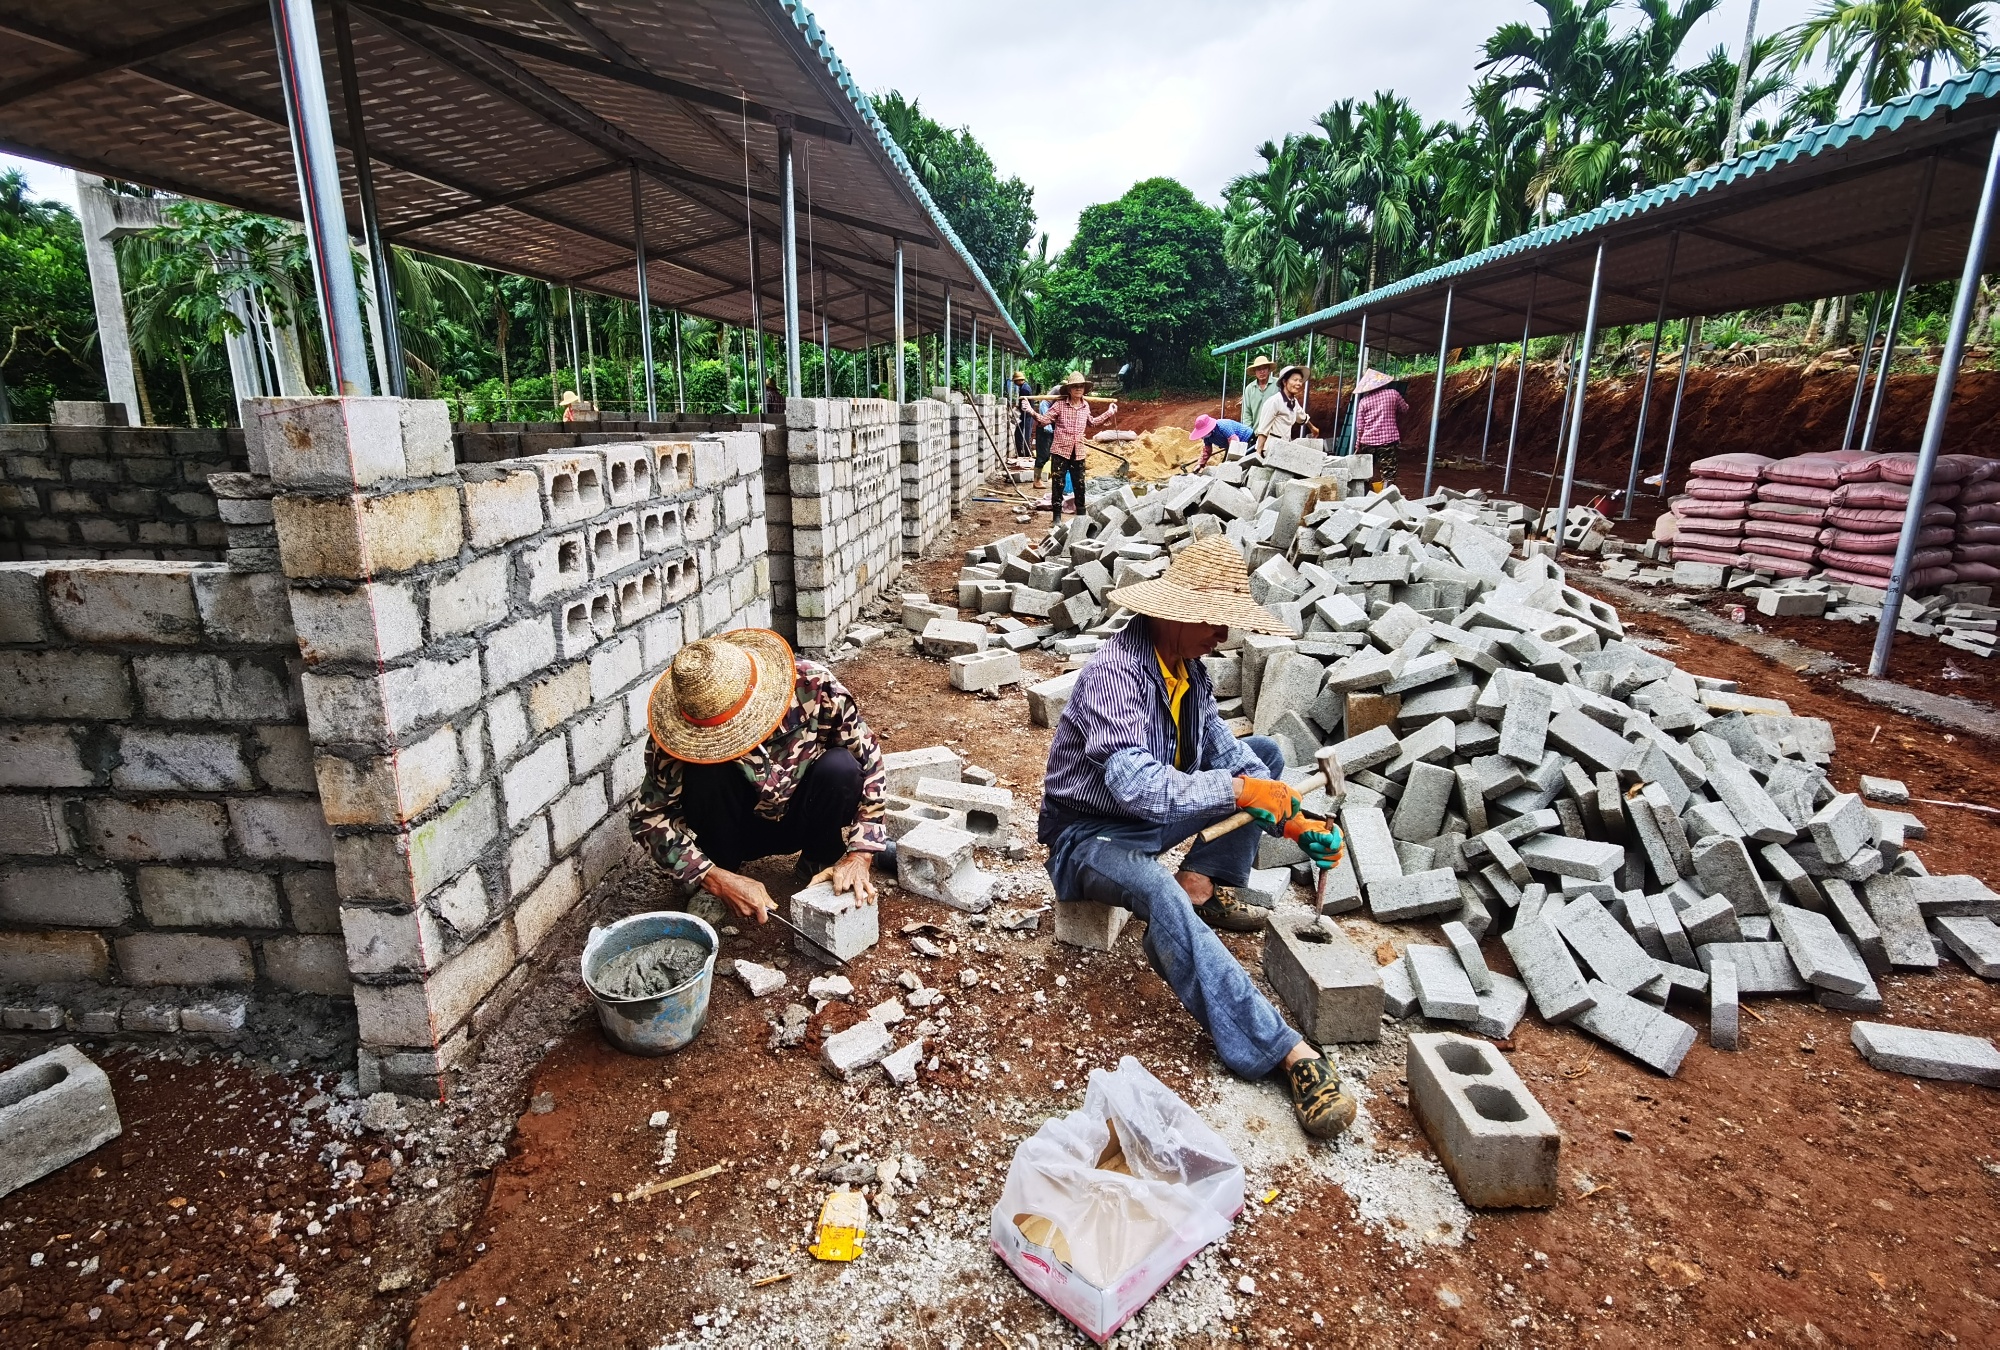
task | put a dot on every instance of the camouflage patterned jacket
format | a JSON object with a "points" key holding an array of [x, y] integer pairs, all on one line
{"points": [[823, 715]]}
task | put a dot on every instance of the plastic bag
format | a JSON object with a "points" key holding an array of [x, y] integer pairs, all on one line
{"points": [[1104, 1205]]}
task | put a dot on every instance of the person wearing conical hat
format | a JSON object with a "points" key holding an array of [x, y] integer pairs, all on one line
{"points": [[1142, 761], [1071, 420], [756, 753], [1256, 389], [1379, 406]]}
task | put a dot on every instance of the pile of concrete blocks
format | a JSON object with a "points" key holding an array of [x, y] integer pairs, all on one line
{"points": [[1514, 764]]}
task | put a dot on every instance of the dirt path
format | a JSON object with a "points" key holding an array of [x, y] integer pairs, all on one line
{"points": [[1787, 1191]]}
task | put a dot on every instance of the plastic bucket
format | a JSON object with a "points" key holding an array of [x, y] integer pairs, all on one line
{"points": [[662, 1023]]}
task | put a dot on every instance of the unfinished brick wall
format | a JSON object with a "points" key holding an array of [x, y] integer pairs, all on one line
{"points": [[487, 442], [164, 864], [965, 473], [925, 473], [846, 510], [113, 492], [478, 650]]}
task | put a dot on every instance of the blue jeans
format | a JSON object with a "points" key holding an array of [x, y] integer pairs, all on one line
{"points": [[1113, 861]]}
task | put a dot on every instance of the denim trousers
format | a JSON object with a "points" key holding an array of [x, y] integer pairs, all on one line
{"points": [[1114, 861]]}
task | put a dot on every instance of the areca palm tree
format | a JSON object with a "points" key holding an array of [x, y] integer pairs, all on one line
{"points": [[1891, 45], [1381, 175], [1260, 225]]}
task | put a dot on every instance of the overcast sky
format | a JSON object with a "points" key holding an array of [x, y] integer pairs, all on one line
{"points": [[1182, 88]]}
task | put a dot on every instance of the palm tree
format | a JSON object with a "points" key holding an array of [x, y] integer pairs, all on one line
{"points": [[1381, 175], [904, 117], [1888, 42], [1260, 225]]}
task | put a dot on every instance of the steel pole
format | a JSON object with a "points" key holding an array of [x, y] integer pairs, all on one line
{"points": [[756, 327], [1652, 362], [1941, 391], [575, 352], [1437, 389], [1360, 369], [1582, 388], [1689, 338], [790, 221], [1861, 375], [303, 81], [680, 374], [899, 323], [1306, 394], [1520, 379], [388, 322], [645, 302], [1896, 307], [947, 341], [1492, 388], [1223, 411]]}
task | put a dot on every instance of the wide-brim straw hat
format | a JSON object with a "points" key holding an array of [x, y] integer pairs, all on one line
{"points": [[570, 396], [1074, 377], [1207, 582], [721, 696], [1260, 363], [1372, 381]]}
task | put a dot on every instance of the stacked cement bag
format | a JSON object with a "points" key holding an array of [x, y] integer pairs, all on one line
{"points": [[1709, 518], [1782, 535], [1975, 554], [1865, 521]]}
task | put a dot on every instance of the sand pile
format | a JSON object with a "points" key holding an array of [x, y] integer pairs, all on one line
{"points": [[1153, 455]]}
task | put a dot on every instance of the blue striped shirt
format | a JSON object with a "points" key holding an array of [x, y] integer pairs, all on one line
{"points": [[1114, 748]]}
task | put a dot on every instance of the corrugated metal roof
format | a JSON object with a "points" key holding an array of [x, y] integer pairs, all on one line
{"points": [[504, 132], [1825, 212]]}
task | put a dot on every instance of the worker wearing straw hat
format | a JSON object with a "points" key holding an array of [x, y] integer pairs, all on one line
{"points": [[1141, 761], [1256, 389], [1379, 406], [1071, 418], [756, 753]]}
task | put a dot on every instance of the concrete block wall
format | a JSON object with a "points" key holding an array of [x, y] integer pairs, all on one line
{"points": [[113, 492], [965, 448], [846, 511], [925, 473], [487, 442], [164, 862], [478, 648], [993, 416]]}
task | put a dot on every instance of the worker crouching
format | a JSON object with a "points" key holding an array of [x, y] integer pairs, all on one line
{"points": [[755, 753], [1141, 761]]}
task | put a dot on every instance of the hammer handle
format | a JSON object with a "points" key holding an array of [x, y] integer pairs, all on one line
{"points": [[1222, 827]]}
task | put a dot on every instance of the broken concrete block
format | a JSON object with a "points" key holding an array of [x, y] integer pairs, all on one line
{"points": [[1816, 949], [988, 811], [1337, 888], [1399, 996], [902, 1065], [1466, 947], [1090, 925], [1442, 989], [1928, 1054], [1973, 940], [837, 923], [54, 1109], [1723, 864], [1497, 1144], [1841, 828], [976, 671], [1761, 967], [1331, 987], [1710, 919], [759, 980], [1652, 1037], [935, 861], [846, 1053], [902, 770], [1502, 1007]]}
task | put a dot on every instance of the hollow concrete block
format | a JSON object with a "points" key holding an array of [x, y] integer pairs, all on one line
{"points": [[54, 1109], [1331, 987], [1497, 1144]]}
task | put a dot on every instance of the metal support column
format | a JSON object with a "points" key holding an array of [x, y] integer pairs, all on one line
{"points": [[1896, 307], [1360, 369], [1861, 374], [680, 375], [1582, 388], [1223, 411], [304, 84], [394, 376], [645, 302], [1941, 391], [575, 352], [1492, 388], [1437, 389], [1652, 362], [1520, 379], [947, 341], [756, 327], [790, 221], [1690, 337], [898, 325], [1306, 393]]}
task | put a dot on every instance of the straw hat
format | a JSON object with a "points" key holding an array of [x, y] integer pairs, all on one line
{"points": [[1206, 583], [1074, 377], [721, 696], [1259, 363], [569, 396], [1372, 381]]}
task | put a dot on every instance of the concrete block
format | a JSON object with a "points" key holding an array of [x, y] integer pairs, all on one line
{"points": [[1331, 986], [125, 601], [184, 958], [1502, 1007], [1548, 969], [1583, 858], [64, 684], [1370, 844], [1928, 1054], [156, 829], [1442, 989], [1426, 796], [1884, 791], [835, 922], [976, 671], [1337, 890], [1761, 967], [1822, 958], [1497, 1144], [1673, 937], [1601, 749], [1853, 919], [355, 538], [1612, 954], [902, 770], [1710, 919], [1640, 1030], [54, 1109], [1724, 867], [209, 897], [1047, 700], [1466, 947], [1724, 1008], [1938, 897], [1524, 727], [309, 965], [846, 1053], [291, 829], [1749, 803], [1089, 924], [1974, 940], [1400, 898], [1368, 750], [1841, 828], [1893, 906], [948, 637], [64, 895]]}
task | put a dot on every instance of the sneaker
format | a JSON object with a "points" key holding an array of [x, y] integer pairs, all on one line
{"points": [[1225, 911], [1323, 1109]]}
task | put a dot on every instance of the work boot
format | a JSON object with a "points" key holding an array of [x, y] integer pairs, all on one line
{"points": [[1323, 1109], [1225, 910]]}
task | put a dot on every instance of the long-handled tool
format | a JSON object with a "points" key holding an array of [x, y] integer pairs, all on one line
{"points": [[1336, 788]]}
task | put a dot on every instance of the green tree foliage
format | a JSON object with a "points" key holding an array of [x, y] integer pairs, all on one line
{"points": [[994, 219], [1146, 277], [48, 331]]}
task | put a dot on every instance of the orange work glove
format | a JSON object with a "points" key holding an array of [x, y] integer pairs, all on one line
{"points": [[1320, 839], [1268, 801]]}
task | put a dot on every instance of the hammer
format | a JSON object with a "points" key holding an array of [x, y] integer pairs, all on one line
{"points": [[1336, 789]]}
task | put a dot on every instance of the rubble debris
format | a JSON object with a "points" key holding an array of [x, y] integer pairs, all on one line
{"points": [[759, 980]]}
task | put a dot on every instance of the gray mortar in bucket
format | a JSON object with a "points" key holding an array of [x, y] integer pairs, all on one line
{"points": [[652, 1023]]}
